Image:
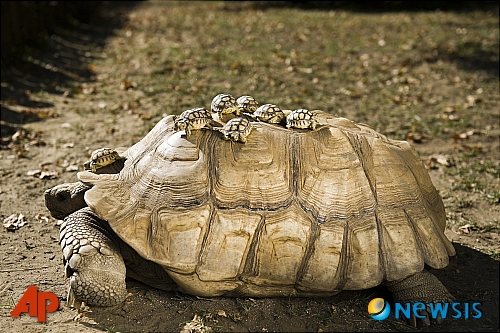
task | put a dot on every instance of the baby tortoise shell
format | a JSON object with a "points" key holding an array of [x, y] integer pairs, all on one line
{"points": [[237, 129], [193, 119], [224, 104], [247, 104], [301, 118], [269, 113], [100, 158]]}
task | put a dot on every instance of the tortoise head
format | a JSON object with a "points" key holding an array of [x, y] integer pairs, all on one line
{"points": [[181, 125], [64, 199]]}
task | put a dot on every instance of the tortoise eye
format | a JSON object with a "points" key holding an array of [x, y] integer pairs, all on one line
{"points": [[62, 196]]}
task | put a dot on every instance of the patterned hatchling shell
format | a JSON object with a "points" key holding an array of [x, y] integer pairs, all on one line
{"points": [[193, 119], [247, 104], [100, 158], [301, 118], [288, 213], [237, 129], [225, 104], [269, 113]]}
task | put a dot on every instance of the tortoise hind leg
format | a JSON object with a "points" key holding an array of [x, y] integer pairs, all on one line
{"points": [[92, 260], [145, 271], [420, 287]]}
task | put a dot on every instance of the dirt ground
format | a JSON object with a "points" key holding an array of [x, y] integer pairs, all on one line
{"points": [[107, 82]]}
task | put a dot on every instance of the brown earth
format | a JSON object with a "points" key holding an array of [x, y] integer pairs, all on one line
{"points": [[108, 82]]}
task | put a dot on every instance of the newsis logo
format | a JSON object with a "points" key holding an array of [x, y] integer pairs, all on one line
{"points": [[379, 309]]}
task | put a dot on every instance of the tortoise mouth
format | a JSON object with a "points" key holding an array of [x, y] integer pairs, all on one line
{"points": [[53, 202], [59, 215]]}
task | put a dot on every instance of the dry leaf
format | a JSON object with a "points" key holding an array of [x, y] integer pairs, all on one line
{"points": [[87, 90], [416, 137], [475, 148], [452, 108], [71, 168], [463, 136], [449, 116], [144, 116], [347, 92], [472, 101], [48, 175], [34, 173], [41, 218], [125, 85], [14, 222], [435, 160], [195, 326], [465, 228], [38, 143], [20, 134], [235, 65]]}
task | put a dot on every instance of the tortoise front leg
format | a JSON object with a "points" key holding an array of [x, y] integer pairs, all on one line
{"points": [[92, 260], [420, 287]]}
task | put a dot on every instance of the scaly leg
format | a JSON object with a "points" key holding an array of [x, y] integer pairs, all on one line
{"points": [[421, 287], [92, 260]]}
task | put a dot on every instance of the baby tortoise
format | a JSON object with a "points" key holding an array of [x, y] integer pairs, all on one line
{"points": [[247, 104], [225, 106], [237, 129], [301, 118], [269, 113], [193, 119], [101, 158]]}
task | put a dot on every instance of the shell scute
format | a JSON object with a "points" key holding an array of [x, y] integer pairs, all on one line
{"points": [[267, 186], [236, 229], [326, 264], [327, 164], [282, 245]]}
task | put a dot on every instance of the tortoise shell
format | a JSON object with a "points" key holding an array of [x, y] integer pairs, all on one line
{"points": [[100, 158], [193, 119], [269, 113], [288, 213], [301, 118], [225, 104], [247, 104], [237, 129]]}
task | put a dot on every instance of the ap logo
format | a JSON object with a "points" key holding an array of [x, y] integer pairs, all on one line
{"points": [[35, 303]]}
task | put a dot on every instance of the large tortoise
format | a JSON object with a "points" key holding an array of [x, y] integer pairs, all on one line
{"points": [[291, 212]]}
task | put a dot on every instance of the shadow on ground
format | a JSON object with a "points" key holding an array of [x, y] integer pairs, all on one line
{"points": [[55, 63], [384, 6], [467, 55]]}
